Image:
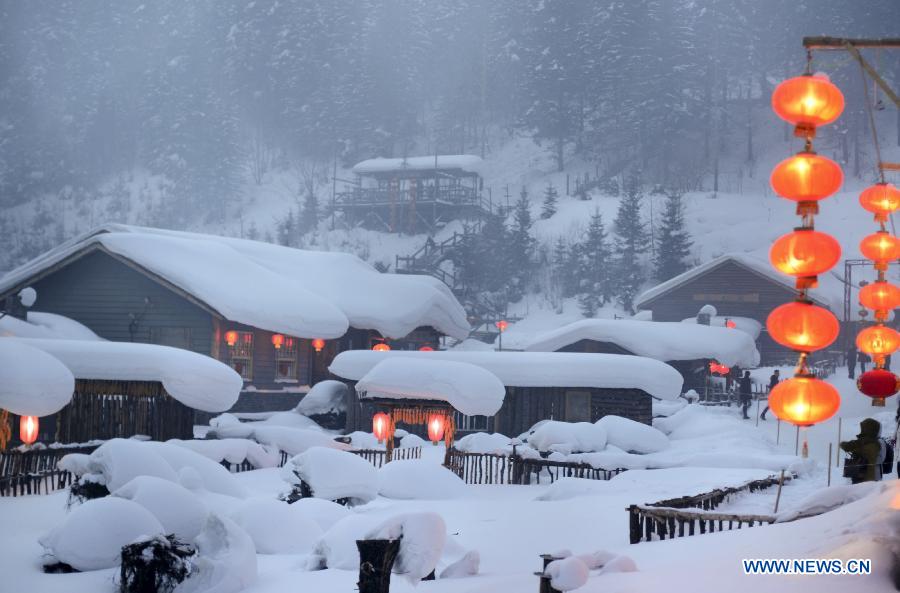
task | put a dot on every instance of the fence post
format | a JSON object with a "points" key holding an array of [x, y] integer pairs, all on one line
{"points": [[545, 586], [376, 559], [634, 524]]}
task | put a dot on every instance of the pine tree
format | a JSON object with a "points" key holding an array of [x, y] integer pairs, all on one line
{"points": [[550, 198], [674, 241], [287, 230], [521, 246], [594, 273], [560, 263], [631, 242], [309, 219]]}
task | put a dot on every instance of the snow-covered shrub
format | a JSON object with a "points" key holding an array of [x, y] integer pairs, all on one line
{"points": [[411, 441], [465, 566], [174, 506], [155, 565], [418, 479], [324, 512], [225, 560], [277, 527], [568, 437], [92, 535], [337, 547], [422, 538], [632, 436], [483, 442], [232, 451], [325, 397], [567, 574], [333, 475]]}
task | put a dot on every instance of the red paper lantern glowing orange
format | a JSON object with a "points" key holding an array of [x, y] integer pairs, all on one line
{"points": [[878, 340], [426, 349], [803, 326], [805, 253], [381, 347], [381, 426], [879, 296], [501, 325], [880, 199], [28, 429], [730, 324], [277, 341], [231, 338], [808, 101], [435, 428], [804, 400], [718, 369], [881, 247], [878, 383], [318, 344], [807, 177]]}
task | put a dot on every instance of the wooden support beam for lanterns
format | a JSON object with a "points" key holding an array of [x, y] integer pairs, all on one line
{"points": [[411, 411], [853, 46]]}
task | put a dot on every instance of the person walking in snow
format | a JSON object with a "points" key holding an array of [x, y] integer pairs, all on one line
{"points": [[745, 393], [851, 360], [863, 360], [773, 381], [865, 453]]}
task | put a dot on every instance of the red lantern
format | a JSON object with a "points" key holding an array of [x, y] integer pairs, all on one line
{"points": [[881, 199], [804, 400], [318, 344], [426, 349], [435, 428], [878, 383], [724, 370], [881, 247], [28, 429], [502, 325], [880, 296], [805, 253], [730, 324], [381, 426], [808, 101], [803, 326], [381, 347], [807, 177], [277, 341], [878, 340], [231, 338]]}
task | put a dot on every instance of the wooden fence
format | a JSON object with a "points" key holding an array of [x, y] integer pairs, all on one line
{"points": [[491, 468], [690, 515], [35, 471], [374, 456]]}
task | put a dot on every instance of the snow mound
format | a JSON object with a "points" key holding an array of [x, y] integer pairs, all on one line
{"points": [[632, 436], [324, 512], [45, 325], [828, 499], [174, 506], [292, 441], [225, 562], [411, 441], [277, 527], [333, 474], [325, 397], [290, 419], [566, 488], [467, 387], [468, 163], [611, 458], [568, 437], [483, 442], [233, 451], [567, 574], [466, 566], [337, 547], [418, 480], [423, 536], [92, 535], [619, 564], [32, 382]]}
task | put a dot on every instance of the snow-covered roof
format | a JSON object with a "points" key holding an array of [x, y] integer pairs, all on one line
{"points": [[656, 339], [469, 388], [747, 325], [32, 383], [45, 325], [195, 380], [537, 369], [310, 294], [464, 162], [823, 295]]}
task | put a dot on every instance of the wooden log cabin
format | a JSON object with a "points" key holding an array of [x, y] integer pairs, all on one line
{"points": [[739, 286], [277, 315], [539, 386]]}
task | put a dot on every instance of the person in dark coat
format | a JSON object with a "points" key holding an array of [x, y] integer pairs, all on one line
{"points": [[864, 359], [745, 392], [867, 446], [851, 361], [773, 381]]}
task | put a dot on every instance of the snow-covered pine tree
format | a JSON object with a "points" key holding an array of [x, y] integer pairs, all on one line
{"points": [[674, 242], [594, 272], [631, 241], [521, 246], [559, 260], [551, 196], [309, 219]]}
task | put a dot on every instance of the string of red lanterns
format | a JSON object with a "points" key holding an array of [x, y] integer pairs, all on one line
{"points": [[806, 178]]}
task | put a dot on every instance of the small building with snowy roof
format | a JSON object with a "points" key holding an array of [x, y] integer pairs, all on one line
{"points": [[737, 285], [276, 315], [538, 385], [414, 194], [688, 348]]}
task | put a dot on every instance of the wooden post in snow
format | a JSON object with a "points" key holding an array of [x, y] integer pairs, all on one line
{"points": [[778, 494]]}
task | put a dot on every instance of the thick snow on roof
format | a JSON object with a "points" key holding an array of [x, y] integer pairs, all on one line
{"points": [[45, 325], [748, 325], [470, 389], [655, 339], [312, 294], [195, 380], [466, 162], [827, 293], [537, 369], [32, 383]]}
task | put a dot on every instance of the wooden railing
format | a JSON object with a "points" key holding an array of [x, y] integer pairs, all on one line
{"points": [[35, 471], [491, 468], [689, 515], [378, 457]]}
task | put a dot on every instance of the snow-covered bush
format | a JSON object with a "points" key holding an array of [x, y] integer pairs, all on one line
{"points": [[92, 535], [324, 512], [277, 527], [418, 479], [333, 475], [483, 442], [568, 437], [632, 436], [337, 547], [175, 507], [155, 565], [326, 402], [225, 561], [422, 537], [233, 451]]}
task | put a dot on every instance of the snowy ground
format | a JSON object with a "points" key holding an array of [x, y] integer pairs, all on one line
{"points": [[510, 526]]}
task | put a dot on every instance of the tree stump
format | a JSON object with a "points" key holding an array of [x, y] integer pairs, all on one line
{"points": [[376, 559]]}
